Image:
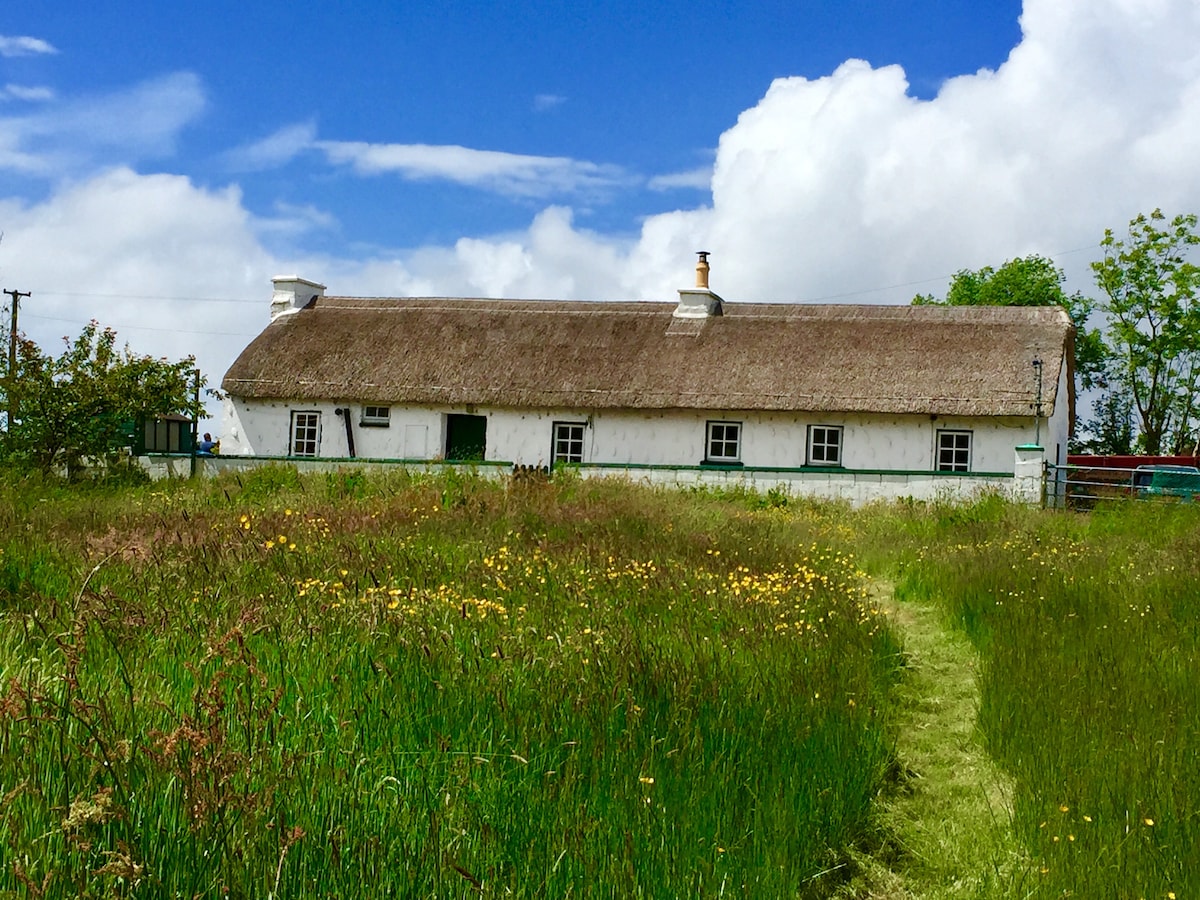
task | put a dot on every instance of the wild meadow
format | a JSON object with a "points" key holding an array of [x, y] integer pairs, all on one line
{"points": [[417, 686], [342, 686], [1088, 633]]}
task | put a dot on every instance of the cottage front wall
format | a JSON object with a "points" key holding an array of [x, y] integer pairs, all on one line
{"points": [[647, 438], [776, 440], [263, 428]]}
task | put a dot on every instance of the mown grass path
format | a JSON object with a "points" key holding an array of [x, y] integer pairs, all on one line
{"points": [[947, 820]]}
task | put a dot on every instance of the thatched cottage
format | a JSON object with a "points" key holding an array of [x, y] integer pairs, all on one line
{"points": [[694, 384]]}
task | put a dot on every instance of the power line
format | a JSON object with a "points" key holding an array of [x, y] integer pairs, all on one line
{"points": [[940, 278], [890, 287], [121, 327], [87, 294], [1076, 250]]}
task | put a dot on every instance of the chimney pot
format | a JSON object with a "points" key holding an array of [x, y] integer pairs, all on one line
{"points": [[702, 269]]}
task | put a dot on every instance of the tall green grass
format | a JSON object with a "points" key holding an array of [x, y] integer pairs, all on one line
{"points": [[1089, 634], [341, 686]]}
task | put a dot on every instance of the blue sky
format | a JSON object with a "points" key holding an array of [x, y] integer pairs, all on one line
{"points": [[639, 90], [160, 162]]}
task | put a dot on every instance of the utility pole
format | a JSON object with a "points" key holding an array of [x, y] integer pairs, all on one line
{"points": [[1037, 409], [12, 356]]}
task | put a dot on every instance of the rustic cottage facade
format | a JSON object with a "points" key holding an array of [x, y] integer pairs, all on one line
{"points": [[803, 393]]}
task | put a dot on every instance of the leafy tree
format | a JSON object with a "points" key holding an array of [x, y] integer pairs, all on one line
{"points": [[1031, 281], [1150, 292], [1111, 431], [81, 404]]}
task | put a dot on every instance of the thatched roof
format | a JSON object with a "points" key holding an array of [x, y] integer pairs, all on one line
{"points": [[582, 355]]}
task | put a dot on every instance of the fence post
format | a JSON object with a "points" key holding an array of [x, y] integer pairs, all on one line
{"points": [[195, 420], [1028, 474]]}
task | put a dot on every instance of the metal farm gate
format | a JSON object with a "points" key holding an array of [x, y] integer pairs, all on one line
{"points": [[1084, 483]]}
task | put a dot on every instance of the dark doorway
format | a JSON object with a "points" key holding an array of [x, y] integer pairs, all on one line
{"points": [[466, 438]]}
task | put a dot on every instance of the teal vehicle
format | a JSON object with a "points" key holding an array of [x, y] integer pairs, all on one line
{"points": [[1154, 481]]}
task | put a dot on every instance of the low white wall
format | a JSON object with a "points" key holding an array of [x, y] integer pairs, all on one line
{"points": [[857, 488]]}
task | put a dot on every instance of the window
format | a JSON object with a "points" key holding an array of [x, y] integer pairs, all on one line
{"points": [[953, 451], [376, 416], [724, 443], [568, 442], [824, 445], [306, 433], [167, 435]]}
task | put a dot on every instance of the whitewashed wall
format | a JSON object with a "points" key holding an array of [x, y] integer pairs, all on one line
{"points": [[1058, 427], [668, 438]]}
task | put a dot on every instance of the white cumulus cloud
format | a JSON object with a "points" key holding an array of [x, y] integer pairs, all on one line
{"points": [[847, 187], [148, 255]]}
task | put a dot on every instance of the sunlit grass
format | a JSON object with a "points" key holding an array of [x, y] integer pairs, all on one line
{"points": [[1090, 678], [270, 686], [352, 686]]}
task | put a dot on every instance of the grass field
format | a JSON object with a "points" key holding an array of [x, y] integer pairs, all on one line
{"points": [[271, 687], [1088, 633], [445, 687]]}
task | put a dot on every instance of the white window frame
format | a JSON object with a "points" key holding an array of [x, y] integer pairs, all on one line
{"points": [[376, 416], [722, 442], [952, 451], [565, 437], [825, 444], [305, 433]]}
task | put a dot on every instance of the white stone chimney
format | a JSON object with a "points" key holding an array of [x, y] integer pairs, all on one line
{"points": [[292, 293], [699, 302]]}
